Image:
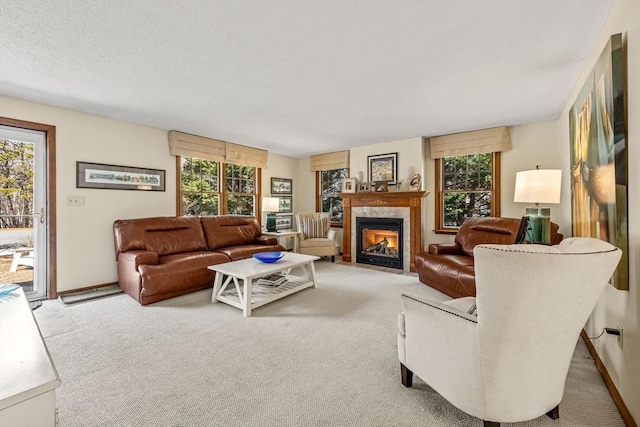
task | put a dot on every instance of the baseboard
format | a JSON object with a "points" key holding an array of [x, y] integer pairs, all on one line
{"points": [[88, 288], [617, 399]]}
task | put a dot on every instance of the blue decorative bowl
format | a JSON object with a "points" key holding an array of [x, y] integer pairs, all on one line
{"points": [[268, 256]]}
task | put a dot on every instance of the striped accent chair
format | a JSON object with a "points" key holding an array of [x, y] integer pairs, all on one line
{"points": [[316, 236]]}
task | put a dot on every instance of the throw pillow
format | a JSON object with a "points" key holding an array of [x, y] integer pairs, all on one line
{"points": [[314, 227]]}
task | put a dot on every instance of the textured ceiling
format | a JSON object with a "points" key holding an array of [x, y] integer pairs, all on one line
{"points": [[300, 77]]}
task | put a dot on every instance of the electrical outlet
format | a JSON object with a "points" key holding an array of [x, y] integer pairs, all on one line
{"points": [[75, 200], [620, 342]]}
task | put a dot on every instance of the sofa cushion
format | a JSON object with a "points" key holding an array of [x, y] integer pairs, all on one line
{"points": [[246, 251], [224, 231], [162, 235], [477, 230]]}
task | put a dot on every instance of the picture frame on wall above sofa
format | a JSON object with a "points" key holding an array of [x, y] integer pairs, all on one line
{"points": [[284, 222], [383, 167], [281, 186], [285, 204], [113, 177]]}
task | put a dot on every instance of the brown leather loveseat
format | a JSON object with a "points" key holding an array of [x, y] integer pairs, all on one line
{"points": [[449, 267], [163, 257]]}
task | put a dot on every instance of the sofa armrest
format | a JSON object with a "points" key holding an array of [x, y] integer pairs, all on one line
{"points": [[266, 240], [445, 249], [131, 260]]}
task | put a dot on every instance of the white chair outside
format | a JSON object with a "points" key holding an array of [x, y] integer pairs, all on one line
{"points": [[19, 258], [508, 361], [316, 236]]}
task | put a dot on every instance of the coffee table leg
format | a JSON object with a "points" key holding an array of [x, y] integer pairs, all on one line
{"points": [[217, 283], [313, 273], [246, 311]]}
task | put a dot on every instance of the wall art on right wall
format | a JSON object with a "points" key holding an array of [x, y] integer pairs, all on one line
{"points": [[598, 156]]}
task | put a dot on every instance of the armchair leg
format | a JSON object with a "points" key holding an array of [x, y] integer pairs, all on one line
{"points": [[407, 376], [333, 258], [554, 414], [491, 424]]}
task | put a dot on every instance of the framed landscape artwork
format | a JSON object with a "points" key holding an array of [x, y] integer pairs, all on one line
{"points": [[281, 186], [598, 156], [383, 167], [98, 175], [285, 203], [284, 222]]}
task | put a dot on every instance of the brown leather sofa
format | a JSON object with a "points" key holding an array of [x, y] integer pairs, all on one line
{"points": [[449, 267], [163, 257]]}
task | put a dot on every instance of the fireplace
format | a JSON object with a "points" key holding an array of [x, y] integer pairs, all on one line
{"points": [[379, 241]]}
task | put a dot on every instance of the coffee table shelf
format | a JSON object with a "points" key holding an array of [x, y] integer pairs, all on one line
{"points": [[235, 280]]}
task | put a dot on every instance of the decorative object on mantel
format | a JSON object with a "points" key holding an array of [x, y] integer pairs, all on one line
{"points": [[414, 184], [598, 156], [383, 167], [364, 187], [349, 185], [98, 175], [381, 186]]}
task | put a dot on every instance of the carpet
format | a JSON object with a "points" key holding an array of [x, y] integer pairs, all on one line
{"points": [[320, 357]]}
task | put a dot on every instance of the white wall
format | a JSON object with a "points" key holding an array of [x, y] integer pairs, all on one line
{"points": [[409, 157], [616, 307], [85, 253]]}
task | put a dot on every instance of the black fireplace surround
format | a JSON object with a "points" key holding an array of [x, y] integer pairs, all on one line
{"points": [[384, 251]]}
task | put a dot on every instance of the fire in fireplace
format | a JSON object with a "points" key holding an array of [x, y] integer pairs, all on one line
{"points": [[379, 241]]}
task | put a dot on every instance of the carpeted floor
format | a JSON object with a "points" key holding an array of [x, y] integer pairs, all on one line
{"points": [[321, 357]]}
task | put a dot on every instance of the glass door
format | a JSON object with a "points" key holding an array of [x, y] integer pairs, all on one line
{"points": [[23, 253]]}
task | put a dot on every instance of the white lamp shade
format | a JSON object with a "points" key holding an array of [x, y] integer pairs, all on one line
{"points": [[538, 186], [270, 204]]}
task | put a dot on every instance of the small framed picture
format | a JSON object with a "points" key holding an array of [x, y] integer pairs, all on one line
{"points": [[383, 167], [285, 203], [284, 222], [364, 187], [349, 185], [381, 186], [281, 186]]}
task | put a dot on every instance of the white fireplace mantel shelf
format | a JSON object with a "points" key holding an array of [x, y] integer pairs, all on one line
{"points": [[393, 199]]}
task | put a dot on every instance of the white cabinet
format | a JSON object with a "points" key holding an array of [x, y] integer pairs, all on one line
{"points": [[28, 377]]}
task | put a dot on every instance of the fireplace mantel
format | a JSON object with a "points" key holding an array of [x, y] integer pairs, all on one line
{"points": [[393, 199]]}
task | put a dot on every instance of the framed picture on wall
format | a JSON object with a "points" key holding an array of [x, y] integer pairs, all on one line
{"points": [[98, 175], [281, 186], [284, 222], [383, 167], [285, 204]]}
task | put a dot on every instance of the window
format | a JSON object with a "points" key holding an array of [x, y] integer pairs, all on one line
{"points": [[466, 186], [240, 189], [329, 184], [203, 191]]}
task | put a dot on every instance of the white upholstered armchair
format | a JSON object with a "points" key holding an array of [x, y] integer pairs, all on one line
{"points": [[509, 361], [316, 236]]}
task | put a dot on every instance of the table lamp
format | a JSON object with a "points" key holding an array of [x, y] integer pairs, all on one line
{"points": [[271, 205], [538, 186]]}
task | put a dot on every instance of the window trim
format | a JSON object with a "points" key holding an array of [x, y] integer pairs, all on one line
{"points": [[439, 196], [222, 190]]}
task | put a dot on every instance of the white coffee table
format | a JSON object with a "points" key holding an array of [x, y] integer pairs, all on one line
{"points": [[242, 295]]}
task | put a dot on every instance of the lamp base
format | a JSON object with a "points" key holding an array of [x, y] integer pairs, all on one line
{"points": [[271, 221], [539, 229]]}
